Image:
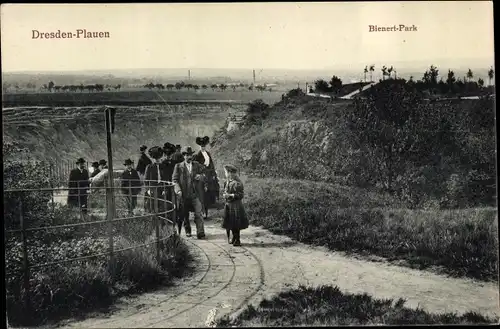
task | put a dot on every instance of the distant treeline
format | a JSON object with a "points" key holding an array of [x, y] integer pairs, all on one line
{"points": [[214, 87]]}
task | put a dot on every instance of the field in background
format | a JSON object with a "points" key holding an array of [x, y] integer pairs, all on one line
{"points": [[134, 97]]}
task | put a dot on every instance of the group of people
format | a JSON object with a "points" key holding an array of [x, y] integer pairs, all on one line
{"points": [[196, 186]]}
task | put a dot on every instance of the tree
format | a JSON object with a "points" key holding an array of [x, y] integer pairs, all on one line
{"points": [[336, 84], [491, 73], [214, 86], [234, 87], [365, 71], [51, 85], [389, 71], [321, 85], [450, 80], [256, 111], [470, 75], [178, 86], [480, 82], [223, 86], [196, 87], [384, 72], [389, 131], [204, 87], [372, 69]]}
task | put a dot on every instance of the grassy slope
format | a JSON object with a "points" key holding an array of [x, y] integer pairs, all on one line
{"points": [[460, 242], [328, 306]]}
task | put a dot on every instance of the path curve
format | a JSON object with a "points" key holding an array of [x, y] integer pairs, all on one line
{"points": [[228, 278]]}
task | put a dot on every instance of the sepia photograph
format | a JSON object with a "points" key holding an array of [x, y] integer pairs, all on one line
{"points": [[266, 164]]}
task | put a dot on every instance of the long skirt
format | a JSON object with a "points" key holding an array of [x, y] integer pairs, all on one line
{"points": [[235, 216]]}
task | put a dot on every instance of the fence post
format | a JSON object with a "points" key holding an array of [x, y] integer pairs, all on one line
{"points": [[109, 191], [51, 181], [25, 260], [157, 226]]}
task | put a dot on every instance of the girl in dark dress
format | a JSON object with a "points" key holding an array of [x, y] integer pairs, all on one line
{"points": [[212, 183], [235, 217]]}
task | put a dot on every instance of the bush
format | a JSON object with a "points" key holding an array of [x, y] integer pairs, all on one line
{"points": [[21, 171]]}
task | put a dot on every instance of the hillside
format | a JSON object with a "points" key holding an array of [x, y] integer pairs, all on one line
{"points": [[309, 138], [61, 135]]}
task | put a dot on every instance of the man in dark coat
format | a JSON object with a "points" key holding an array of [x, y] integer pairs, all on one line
{"points": [[212, 183], [96, 170], [143, 162], [78, 185], [189, 180], [168, 165], [153, 181], [131, 185]]}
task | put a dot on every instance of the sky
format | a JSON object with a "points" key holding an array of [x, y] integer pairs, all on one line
{"points": [[245, 35]]}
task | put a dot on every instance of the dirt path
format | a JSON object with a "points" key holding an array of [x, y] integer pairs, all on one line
{"points": [[227, 278]]}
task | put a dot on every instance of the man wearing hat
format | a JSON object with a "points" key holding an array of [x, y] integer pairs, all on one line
{"points": [[102, 164], [153, 181], [78, 185], [96, 170], [177, 156], [143, 162], [131, 185], [212, 183], [189, 179]]}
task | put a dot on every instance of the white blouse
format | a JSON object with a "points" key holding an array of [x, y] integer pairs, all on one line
{"points": [[207, 158]]}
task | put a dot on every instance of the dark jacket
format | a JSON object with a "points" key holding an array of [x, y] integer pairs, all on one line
{"points": [[181, 178], [151, 174], [212, 182], [142, 163], [95, 172], [130, 182], [78, 179]]}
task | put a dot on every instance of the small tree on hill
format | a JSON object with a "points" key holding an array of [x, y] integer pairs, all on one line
{"points": [[336, 84], [51, 85], [480, 82], [372, 69], [365, 71], [470, 75], [257, 111], [321, 85]]}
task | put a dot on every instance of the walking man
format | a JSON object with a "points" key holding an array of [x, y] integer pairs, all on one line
{"points": [[131, 185], [188, 179], [78, 185], [143, 162]]}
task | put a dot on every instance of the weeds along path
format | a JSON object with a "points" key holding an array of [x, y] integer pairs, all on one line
{"points": [[227, 278]]}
